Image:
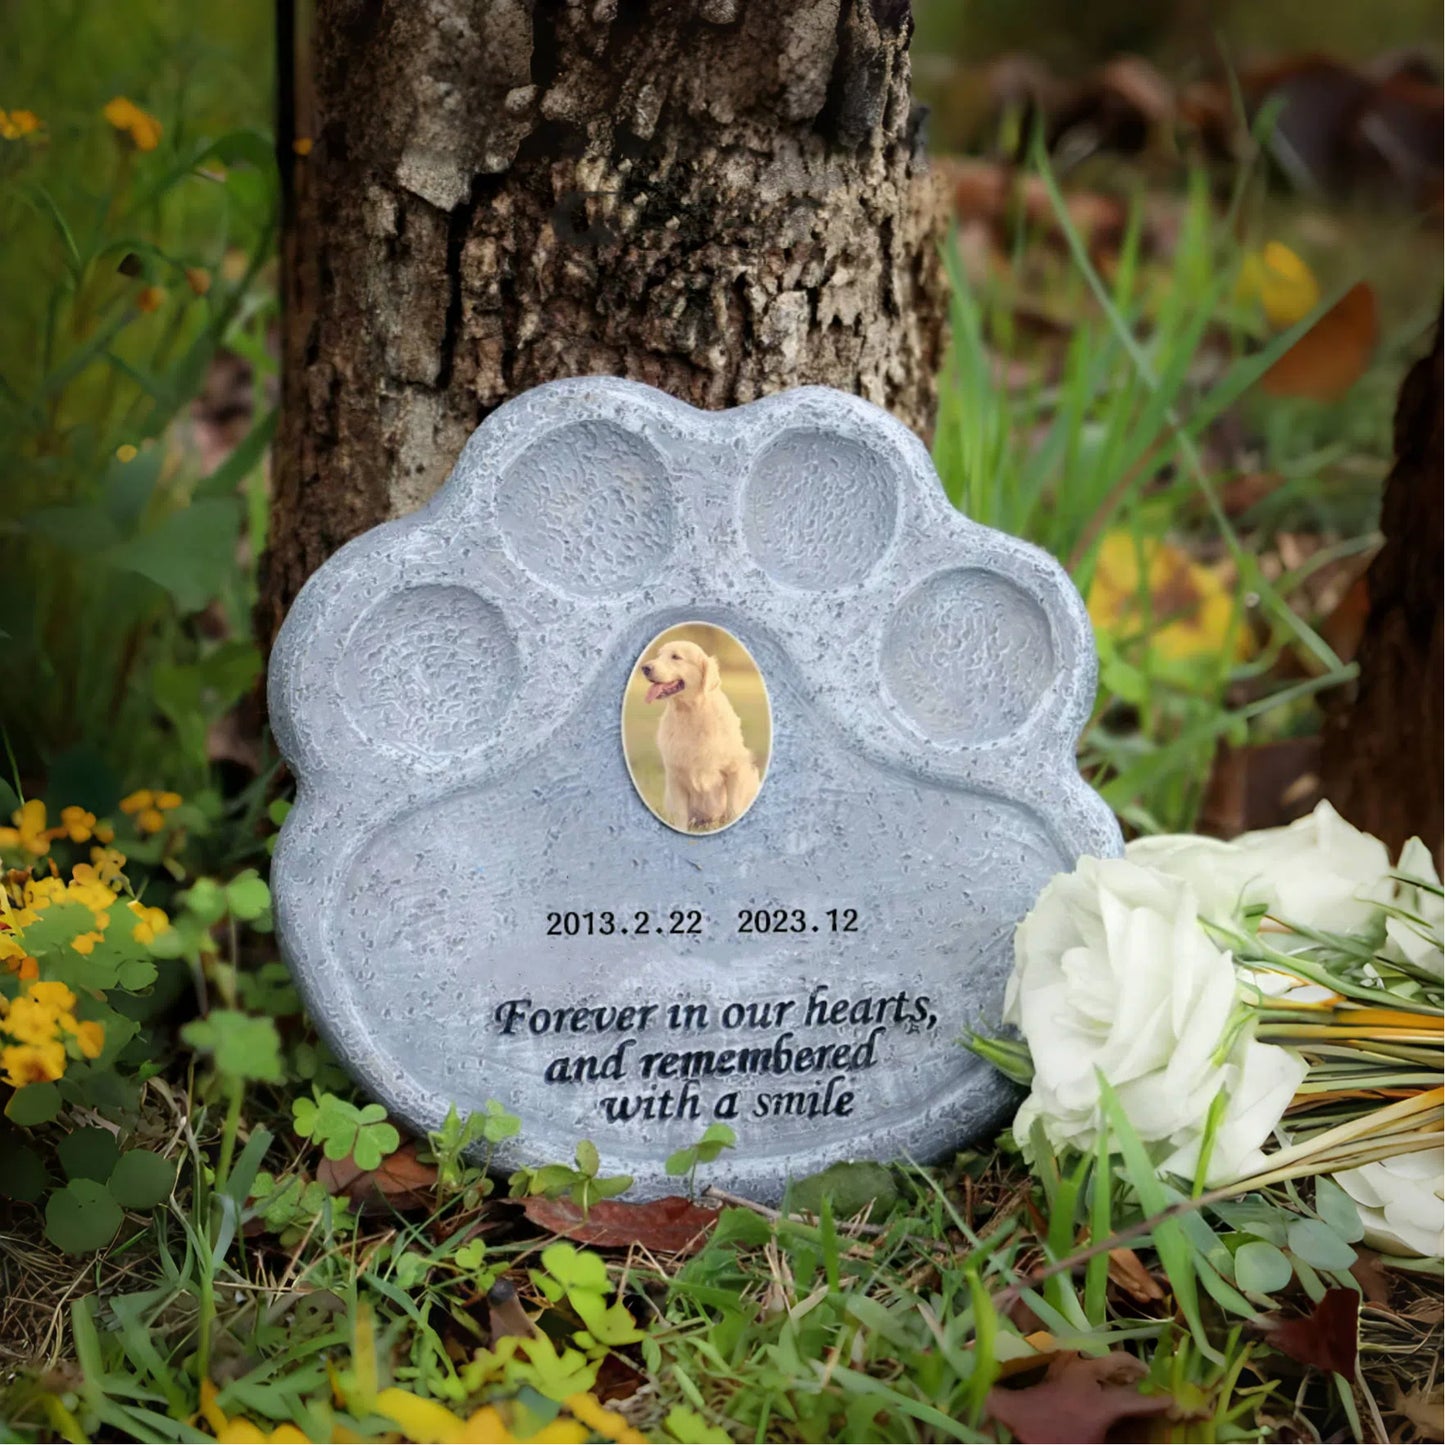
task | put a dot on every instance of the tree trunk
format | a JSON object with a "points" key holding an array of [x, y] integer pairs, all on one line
{"points": [[718, 197], [1383, 749]]}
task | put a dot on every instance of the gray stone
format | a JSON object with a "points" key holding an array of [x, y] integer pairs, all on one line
{"points": [[447, 691]]}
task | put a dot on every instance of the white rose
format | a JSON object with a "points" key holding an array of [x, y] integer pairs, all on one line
{"points": [[1401, 1201], [1319, 872], [1416, 939], [1113, 972]]}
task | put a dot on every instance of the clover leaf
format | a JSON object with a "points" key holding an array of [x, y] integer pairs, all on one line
{"points": [[344, 1130], [242, 1046], [247, 896]]}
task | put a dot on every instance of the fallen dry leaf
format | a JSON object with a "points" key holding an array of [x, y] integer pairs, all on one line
{"points": [[1424, 1408], [1333, 354], [1327, 1338], [1371, 1276], [401, 1181], [1126, 1270], [671, 1225], [1078, 1400]]}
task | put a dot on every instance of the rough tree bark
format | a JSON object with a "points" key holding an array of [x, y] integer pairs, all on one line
{"points": [[719, 197], [1383, 749]]}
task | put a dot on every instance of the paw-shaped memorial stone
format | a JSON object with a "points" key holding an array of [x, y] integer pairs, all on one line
{"points": [[674, 767]]}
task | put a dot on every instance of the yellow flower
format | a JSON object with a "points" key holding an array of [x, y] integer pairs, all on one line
{"points": [[14, 957], [77, 824], [54, 996], [151, 921], [426, 1421], [198, 280], [29, 831], [125, 452], [237, 1431], [28, 1022], [32, 1063], [1283, 285], [109, 864], [607, 1423], [86, 887], [150, 808], [126, 116], [1152, 588], [41, 892], [18, 124], [150, 298], [90, 1037]]}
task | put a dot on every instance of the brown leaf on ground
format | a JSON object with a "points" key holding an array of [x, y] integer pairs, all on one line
{"points": [[1327, 1338], [1333, 354], [1126, 1270], [1371, 1276], [1247, 490], [1423, 1408], [672, 1225], [1078, 1400], [401, 1181]]}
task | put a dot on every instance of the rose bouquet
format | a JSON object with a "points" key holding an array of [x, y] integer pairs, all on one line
{"points": [[1261, 1009]]}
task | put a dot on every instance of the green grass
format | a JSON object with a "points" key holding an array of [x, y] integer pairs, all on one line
{"points": [[1117, 442]]}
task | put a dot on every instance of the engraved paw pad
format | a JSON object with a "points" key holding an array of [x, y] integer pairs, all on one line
{"points": [[475, 900]]}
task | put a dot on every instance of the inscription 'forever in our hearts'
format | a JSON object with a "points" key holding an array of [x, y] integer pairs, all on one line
{"points": [[783, 894]]}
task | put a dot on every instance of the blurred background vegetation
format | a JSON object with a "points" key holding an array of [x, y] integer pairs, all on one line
{"points": [[1106, 394]]}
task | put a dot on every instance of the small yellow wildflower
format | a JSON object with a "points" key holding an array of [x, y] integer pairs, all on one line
{"points": [[608, 1423], [109, 864], [86, 888], [237, 1431], [39, 893], [14, 957], [198, 280], [29, 832], [126, 116], [18, 124], [104, 833], [149, 808], [151, 921], [150, 298], [23, 1064], [426, 1420], [125, 452], [1284, 286], [28, 1022], [54, 996], [1149, 585], [77, 824]]}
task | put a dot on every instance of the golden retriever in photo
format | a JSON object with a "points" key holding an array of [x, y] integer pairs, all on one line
{"points": [[711, 776]]}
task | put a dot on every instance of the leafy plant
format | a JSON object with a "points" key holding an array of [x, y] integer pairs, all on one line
{"points": [[581, 1184], [346, 1130], [144, 244], [715, 1138], [457, 1139]]}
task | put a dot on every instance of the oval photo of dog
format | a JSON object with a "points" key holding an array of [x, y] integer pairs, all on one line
{"points": [[697, 728]]}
